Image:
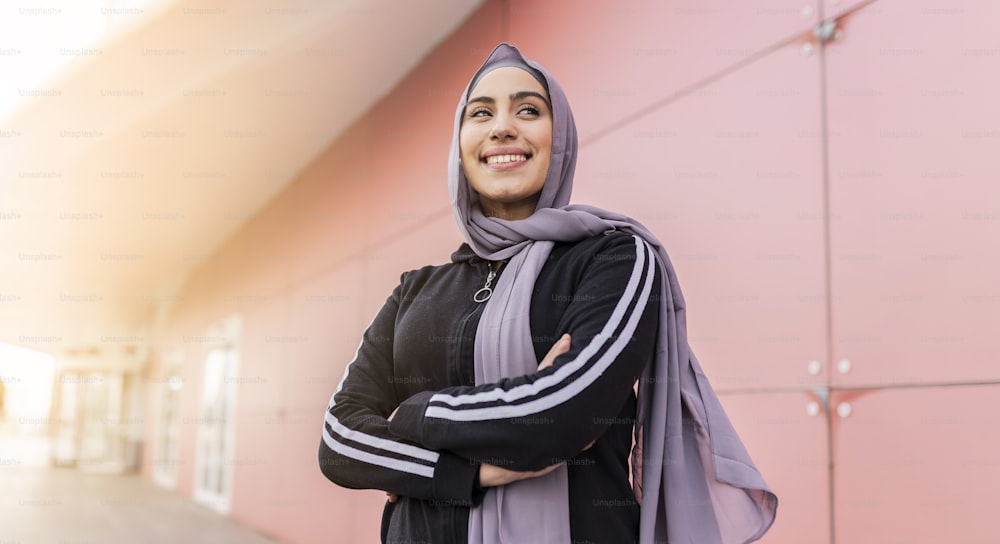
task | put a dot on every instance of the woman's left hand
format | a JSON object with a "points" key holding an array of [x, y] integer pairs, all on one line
{"points": [[561, 346]]}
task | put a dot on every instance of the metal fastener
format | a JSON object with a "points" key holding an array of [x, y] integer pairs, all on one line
{"points": [[825, 31], [844, 366]]}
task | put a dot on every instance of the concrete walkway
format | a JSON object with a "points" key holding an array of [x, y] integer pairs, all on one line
{"points": [[66, 506]]}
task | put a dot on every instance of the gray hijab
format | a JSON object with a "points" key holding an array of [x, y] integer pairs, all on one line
{"points": [[692, 476]]}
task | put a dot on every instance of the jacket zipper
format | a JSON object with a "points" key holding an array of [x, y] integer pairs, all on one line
{"points": [[486, 291], [456, 363]]}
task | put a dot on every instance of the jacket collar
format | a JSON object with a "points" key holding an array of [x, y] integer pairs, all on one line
{"points": [[464, 254]]}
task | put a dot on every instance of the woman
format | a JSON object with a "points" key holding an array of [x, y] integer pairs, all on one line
{"points": [[493, 398]]}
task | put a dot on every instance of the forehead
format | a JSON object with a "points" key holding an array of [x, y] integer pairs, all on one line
{"points": [[506, 80]]}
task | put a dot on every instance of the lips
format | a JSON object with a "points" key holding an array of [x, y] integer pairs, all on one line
{"points": [[505, 157]]}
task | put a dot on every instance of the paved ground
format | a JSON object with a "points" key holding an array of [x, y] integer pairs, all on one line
{"points": [[65, 506]]}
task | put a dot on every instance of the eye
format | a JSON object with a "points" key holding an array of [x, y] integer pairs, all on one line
{"points": [[479, 112], [529, 110]]}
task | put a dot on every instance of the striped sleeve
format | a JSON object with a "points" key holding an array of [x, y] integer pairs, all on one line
{"points": [[358, 451], [528, 422]]}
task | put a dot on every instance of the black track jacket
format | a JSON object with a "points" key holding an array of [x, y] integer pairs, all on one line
{"points": [[416, 359]]}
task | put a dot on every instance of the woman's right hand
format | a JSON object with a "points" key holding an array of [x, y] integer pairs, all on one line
{"points": [[492, 475]]}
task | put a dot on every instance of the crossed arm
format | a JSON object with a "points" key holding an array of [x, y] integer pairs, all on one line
{"points": [[438, 444]]}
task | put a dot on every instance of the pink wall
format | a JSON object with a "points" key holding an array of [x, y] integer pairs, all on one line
{"points": [[728, 161]]}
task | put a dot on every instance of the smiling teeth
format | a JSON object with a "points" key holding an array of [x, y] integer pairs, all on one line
{"points": [[500, 159]]}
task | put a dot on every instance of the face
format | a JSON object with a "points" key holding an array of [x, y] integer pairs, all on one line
{"points": [[506, 142]]}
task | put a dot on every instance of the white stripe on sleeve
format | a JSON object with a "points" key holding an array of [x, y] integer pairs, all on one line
{"points": [[378, 442], [644, 259], [373, 441], [371, 458]]}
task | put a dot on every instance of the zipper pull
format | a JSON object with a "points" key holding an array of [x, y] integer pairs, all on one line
{"points": [[486, 292]]}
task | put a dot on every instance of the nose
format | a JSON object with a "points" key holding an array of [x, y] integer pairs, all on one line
{"points": [[503, 127]]}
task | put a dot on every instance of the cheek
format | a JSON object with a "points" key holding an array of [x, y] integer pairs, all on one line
{"points": [[467, 155], [548, 150], [467, 141], [544, 139], [462, 143]]}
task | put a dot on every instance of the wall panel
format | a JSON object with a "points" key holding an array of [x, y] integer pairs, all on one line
{"points": [[914, 196], [917, 465], [730, 180]]}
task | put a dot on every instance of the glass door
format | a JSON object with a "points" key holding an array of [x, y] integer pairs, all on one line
{"points": [[166, 460], [216, 421]]}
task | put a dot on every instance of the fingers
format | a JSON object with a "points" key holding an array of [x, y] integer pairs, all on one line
{"points": [[491, 475], [561, 346], [548, 469]]}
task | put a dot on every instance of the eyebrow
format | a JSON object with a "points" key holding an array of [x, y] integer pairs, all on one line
{"points": [[513, 97]]}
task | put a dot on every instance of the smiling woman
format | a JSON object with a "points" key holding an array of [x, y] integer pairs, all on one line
{"points": [[506, 142], [478, 408]]}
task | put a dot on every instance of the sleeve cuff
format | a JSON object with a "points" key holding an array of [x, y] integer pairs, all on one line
{"points": [[408, 421], [456, 480]]}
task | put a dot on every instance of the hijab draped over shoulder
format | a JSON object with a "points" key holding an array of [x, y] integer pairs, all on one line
{"points": [[695, 483]]}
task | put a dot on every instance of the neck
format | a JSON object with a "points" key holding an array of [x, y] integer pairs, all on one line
{"points": [[509, 213]]}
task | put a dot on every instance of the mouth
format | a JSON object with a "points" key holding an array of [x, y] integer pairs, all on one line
{"points": [[506, 159], [503, 158]]}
